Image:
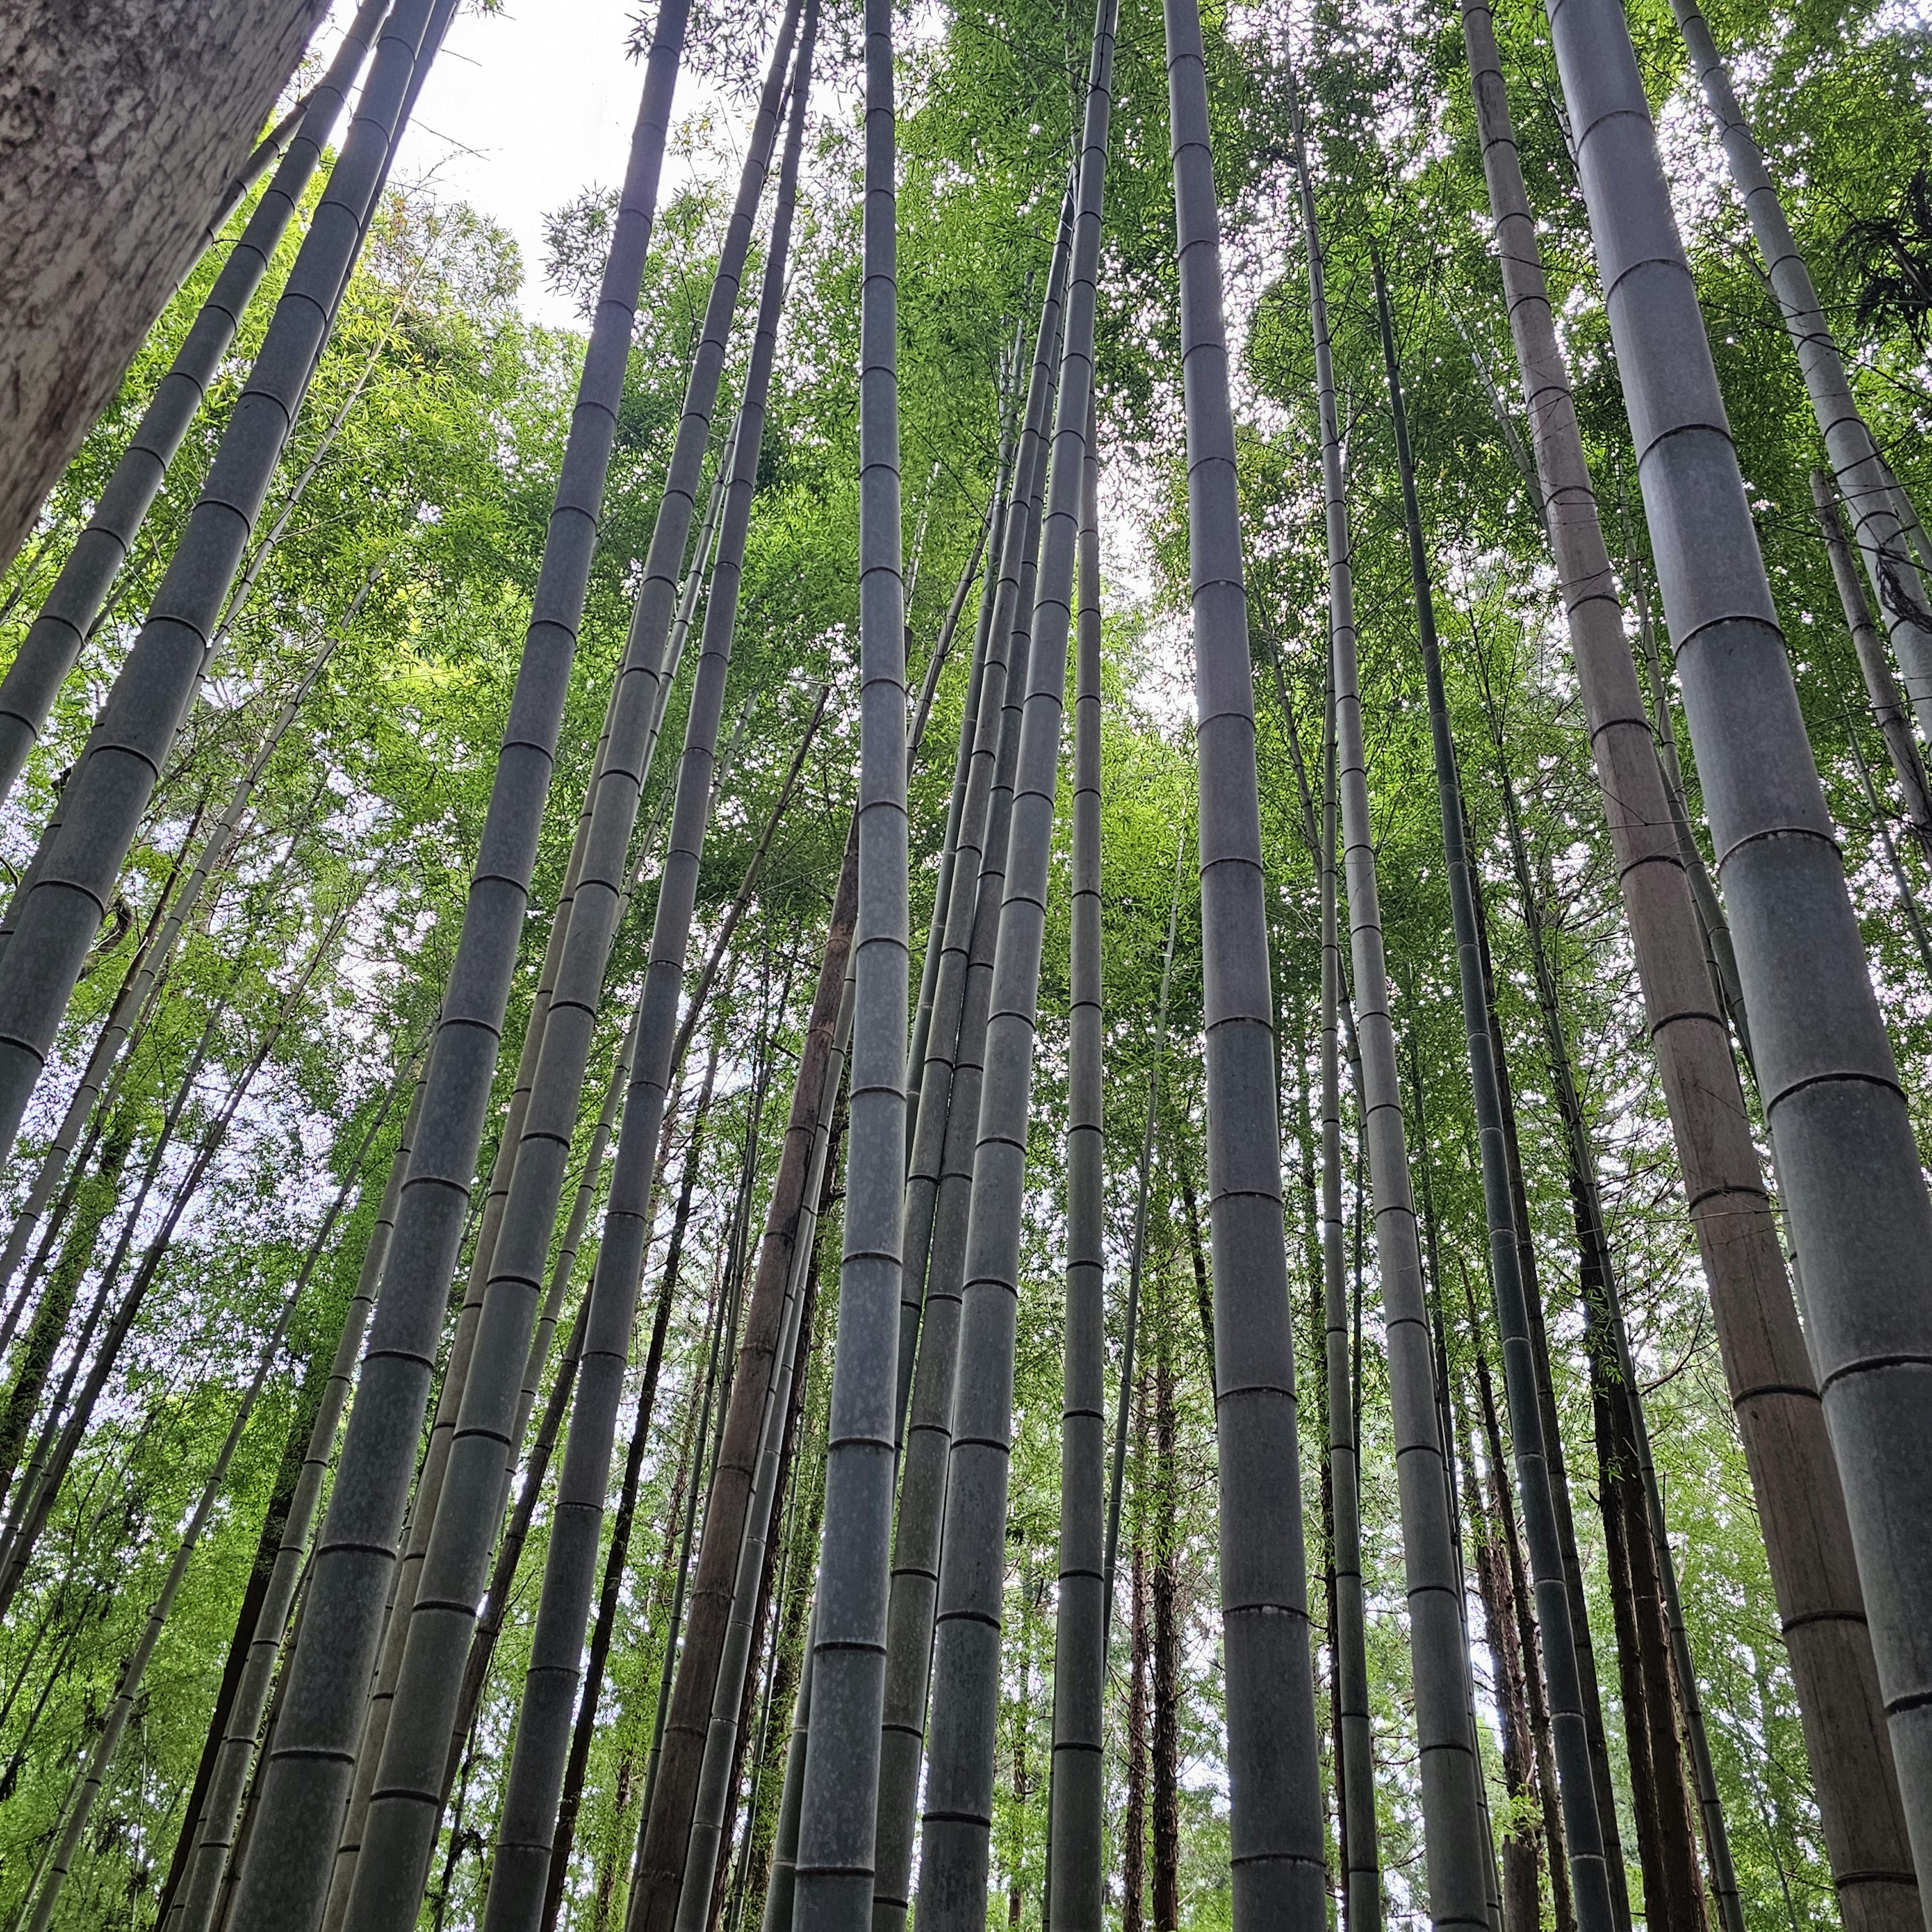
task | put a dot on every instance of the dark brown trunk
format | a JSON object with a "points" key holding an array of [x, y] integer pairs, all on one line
{"points": [[1197, 1250], [1166, 1592], [1502, 1512], [747, 1701], [616, 1561], [1667, 1839], [661, 1869], [1133, 1859], [1559, 1476], [1521, 1845]]}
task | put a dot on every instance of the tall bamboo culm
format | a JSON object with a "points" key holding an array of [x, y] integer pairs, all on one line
{"points": [[1361, 1875], [964, 983], [957, 1818], [54, 641], [398, 1839], [1583, 1831], [1861, 475], [1807, 1535], [200, 1892], [57, 909], [305, 1780], [1279, 1860], [969, 851], [1455, 1842], [838, 1799], [1076, 1890]]}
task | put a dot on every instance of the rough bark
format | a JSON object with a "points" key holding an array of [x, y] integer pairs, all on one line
{"points": [[124, 123]]}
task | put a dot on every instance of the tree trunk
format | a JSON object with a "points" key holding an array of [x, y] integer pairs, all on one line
{"points": [[1582, 1833], [1789, 884], [971, 1597], [1521, 1852], [1855, 459], [1165, 1593], [837, 1819], [56, 912], [1882, 692], [306, 1780], [1133, 1823], [1075, 1880], [1459, 1887], [126, 124]]}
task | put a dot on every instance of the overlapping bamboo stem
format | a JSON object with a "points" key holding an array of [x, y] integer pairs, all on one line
{"points": [[924, 1390], [1861, 472], [1583, 1833], [194, 1907], [307, 1775], [58, 911], [833, 1876], [1738, 691], [958, 1815], [67, 615], [1459, 1887], [1076, 1806]]}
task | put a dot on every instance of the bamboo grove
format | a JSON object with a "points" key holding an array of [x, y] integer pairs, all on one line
{"points": [[1057, 1052]]}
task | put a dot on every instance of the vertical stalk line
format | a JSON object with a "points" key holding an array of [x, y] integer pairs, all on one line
{"points": [[615, 1562], [137, 995], [1881, 687], [194, 1906], [428, 1492], [1454, 1845], [1137, 1254], [948, 849], [957, 1818], [1583, 1833], [52, 644], [1361, 1851], [58, 909], [941, 1181], [36, 1499], [972, 846], [1856, 462], [1813, 1016], [1723, 1875], [1077, 1804], [533, 1789], [839, 1798], [1908, 897], [306, 1776], [785, 1251], [87, 1785]]}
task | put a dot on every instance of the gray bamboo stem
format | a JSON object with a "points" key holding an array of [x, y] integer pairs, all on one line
{"points": [[527, 1829], [200, 1892], [1582, 1830], [958, 1817], [307, 1775], [1361, 1878], [1117, 1483], [1855, 459], [1853, 1188], [1888, 708], [1455, 1850], [839, 1797]]}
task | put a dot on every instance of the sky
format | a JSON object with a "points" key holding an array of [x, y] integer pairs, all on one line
{"points": [[524, 109]]}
